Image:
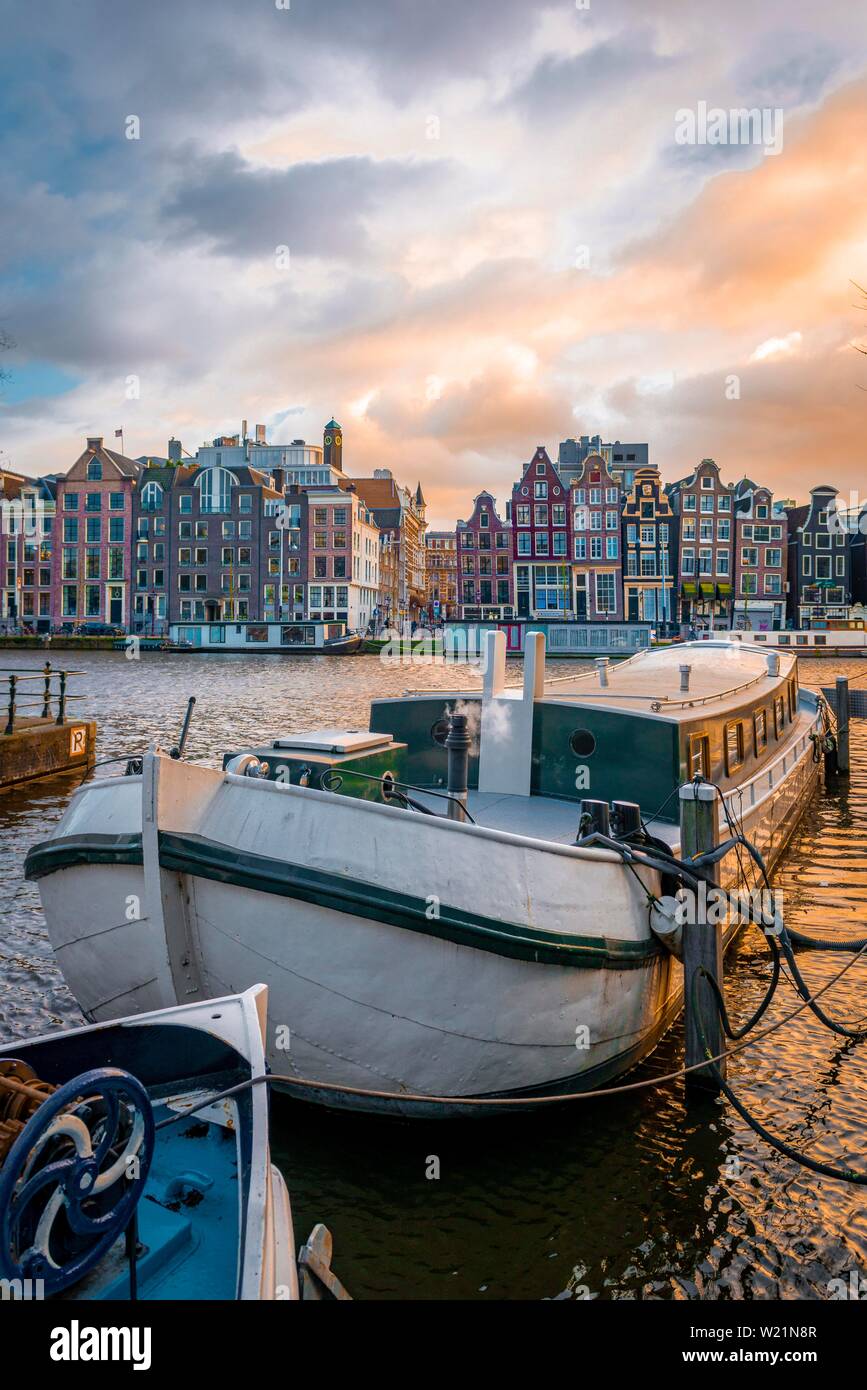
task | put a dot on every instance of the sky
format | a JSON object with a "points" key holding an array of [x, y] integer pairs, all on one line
{"points": [[465, 229]]}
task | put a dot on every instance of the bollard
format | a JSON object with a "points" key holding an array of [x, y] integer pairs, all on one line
{"points": [[702, 941], [593, 819], [842, 684], [458, 747]]}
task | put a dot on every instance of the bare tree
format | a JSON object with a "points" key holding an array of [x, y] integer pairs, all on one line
{"points": [[5, 344]]}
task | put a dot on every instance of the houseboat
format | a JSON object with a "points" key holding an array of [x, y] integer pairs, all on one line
{"points": [[562, 638], [298, 638], [822, 639], [423, 946]]}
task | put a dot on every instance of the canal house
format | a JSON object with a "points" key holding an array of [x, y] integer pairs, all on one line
{"points": [[704, 506], [761, 545], [485, 558], [597, 569], [820, 561], [92, 548], [649, 530], [541, 534]]}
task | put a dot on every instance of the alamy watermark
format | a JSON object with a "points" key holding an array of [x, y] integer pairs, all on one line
{"points": [[713, 125]]}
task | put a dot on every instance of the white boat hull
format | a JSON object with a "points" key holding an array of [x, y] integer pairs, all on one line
{"points": [[406, 956]]}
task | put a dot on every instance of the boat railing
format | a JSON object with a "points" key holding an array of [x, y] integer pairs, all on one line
{"points": [[30, 706]]}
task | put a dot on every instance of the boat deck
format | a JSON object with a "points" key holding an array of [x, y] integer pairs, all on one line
{"points": [[537, 817]]}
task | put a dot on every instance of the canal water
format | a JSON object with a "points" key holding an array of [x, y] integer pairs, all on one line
{"points": [[629, 1197]]}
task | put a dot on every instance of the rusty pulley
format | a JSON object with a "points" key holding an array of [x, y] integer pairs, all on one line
{"points": [[21, 1094]]}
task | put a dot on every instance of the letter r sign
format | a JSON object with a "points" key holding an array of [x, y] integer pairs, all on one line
{"points": [[77, 741]]}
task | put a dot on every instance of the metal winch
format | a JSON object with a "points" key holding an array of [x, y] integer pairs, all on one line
{"points": [[21, 1094]]}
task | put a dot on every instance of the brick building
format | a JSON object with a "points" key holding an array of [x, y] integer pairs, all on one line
{"points": [[649, 529], [761, 546], [441, 570], [541, 536], [704, 506], [92, 572], [597, 569], [484, 550]]}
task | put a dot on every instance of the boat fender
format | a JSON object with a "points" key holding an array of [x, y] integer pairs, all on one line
{"points": [[666, 925], [247, 765]]}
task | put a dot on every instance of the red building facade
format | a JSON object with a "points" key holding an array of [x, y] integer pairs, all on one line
{"points": [[484, 546], [542, 542]]}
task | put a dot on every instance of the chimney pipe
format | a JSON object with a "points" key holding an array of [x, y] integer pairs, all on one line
{"points": [[458, 747], [773, 660], [684, 677], [602, 668]]}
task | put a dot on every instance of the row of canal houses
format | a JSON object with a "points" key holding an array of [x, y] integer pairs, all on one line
{"points": [[590, 542], [253, 531]]}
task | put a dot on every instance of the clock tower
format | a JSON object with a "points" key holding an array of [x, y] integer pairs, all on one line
{"points": [[332, 453]]}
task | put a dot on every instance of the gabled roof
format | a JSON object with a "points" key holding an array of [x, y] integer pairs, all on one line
{"points": [[119, 464]]}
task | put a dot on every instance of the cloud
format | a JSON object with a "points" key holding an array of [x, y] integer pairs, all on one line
{"points": [[317, 209]]}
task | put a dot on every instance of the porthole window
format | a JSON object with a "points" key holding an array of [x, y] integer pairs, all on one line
{"points": [[582, 743], [440, 731]]}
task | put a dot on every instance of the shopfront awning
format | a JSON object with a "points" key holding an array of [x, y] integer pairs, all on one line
{"points": [[689, 590], [724, 590], [707, 590]]}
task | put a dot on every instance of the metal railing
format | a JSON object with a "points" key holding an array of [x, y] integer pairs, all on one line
{"points": [[53, 692]]}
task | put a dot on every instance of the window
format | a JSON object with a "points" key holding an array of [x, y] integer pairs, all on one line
{"points": [[687, 562], [606, 597], [611, 545], [707, 483], [774, 558], [522, 514], [760, 731], [70, 501], [70, 529], [540, 490], [93, 501], [595, 547], [116, 527], [689, 502], [793, 698], [648, 563], [94, 471], [734, 746], [779, 715], [115, 501], [185, 502], [93, 529], [215, 489], [540, 515], [707, 502], [542, 543], [524, 543], [151, 497], [580, 547], [749, 583], [698, 756], [558, 515]]}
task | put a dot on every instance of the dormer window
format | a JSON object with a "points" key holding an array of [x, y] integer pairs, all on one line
{"points": [[707, 483], [94, 471]]}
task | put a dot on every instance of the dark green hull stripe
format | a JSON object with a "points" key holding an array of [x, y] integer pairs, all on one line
{"points": [[72, 850], [203, 858]]}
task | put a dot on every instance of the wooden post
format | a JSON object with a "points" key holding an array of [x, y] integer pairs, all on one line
{"points": [[842, 702], [702, 940]]}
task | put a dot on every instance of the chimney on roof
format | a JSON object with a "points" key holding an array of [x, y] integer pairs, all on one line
{"points": [[244, 429], [94, 442], [260, 434]]}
